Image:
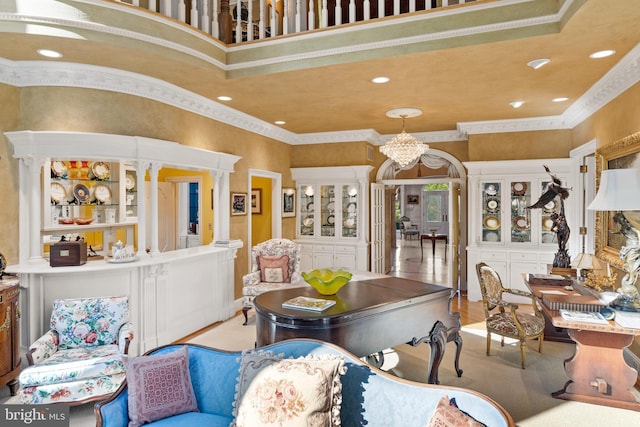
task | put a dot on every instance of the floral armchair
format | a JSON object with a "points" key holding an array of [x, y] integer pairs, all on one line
{"points": [[80, 358], [276, 264]]}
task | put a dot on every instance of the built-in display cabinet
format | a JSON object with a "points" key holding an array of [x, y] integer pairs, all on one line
{"points": [[332, 220], [104, 188], [502, 231]]}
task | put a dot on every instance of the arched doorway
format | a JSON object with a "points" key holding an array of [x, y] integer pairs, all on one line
{"points": [[435, 166]]}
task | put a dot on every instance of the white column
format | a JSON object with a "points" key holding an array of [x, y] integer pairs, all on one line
{"points": [[33, 168], [141, 172], [153, 214]]}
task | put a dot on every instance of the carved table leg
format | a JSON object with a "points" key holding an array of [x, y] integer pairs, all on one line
{"points": [[598, 372], [457, 338], [437, 340]]}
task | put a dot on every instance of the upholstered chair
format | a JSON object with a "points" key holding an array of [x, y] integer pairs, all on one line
{"points": [[503, 318], [80, 358], [407, 229], [275, 264]]}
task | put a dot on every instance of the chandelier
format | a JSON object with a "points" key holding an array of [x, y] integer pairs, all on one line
{"points": [[403, 148]]}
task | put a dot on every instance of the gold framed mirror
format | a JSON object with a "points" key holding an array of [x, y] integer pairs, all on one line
{"points": [[622, 154]]}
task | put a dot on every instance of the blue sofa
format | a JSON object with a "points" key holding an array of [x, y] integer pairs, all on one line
{"points": [[370, 397]]}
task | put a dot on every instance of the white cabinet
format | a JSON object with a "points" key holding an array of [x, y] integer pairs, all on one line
{"points": [[502, 231], [332, 218]]}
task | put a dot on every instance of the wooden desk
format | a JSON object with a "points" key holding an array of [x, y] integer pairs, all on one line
{"points": [[597, 371], [369, 316], [433, 237]]}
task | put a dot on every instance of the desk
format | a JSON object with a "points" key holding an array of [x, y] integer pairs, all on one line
{"points": [[433, 237], [597, 371], [369, 316]]}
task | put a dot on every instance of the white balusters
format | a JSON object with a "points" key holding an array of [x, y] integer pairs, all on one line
{"points": [[381, 10], [250, 20], [215, 29], [204, 26], [352, 11], [412, 5], [396, 7], [194, 14], [182, 11], [274, 22], [285, 17], [325, 14], [298, 18], [338, 14], [312, 15], [367, 10], [238, 18]]}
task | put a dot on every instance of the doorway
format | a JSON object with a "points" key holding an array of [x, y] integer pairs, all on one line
{"points": [[435, 209], [268, 223]]}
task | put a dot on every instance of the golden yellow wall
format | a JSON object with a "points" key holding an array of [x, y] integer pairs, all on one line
{"points": [[261, 223], [9, 235], [520, 145], [335, 154]]}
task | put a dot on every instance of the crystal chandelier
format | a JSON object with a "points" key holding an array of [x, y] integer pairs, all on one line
{"points": [[404, 148]]}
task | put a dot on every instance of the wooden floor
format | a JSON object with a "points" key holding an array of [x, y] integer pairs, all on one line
{"points": [[408, 263]]}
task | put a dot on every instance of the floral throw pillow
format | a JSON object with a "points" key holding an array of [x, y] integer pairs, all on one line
{"points": [[269, 264], [159, 386], [86, 322], [447, 414], [303, 392], [252, 362]]}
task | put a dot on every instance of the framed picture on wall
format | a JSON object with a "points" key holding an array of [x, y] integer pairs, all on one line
{"points": [[413, 199], [288, 202], [238, 203], [256, 201]]}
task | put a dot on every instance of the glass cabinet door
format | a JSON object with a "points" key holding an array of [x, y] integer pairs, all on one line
{"points": [[306, 210], [327, 210], [491, 226], [350, 210], [520, 215], [131, 194]]}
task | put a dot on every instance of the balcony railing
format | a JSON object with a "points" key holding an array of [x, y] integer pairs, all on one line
{"points": [[259, 20]]}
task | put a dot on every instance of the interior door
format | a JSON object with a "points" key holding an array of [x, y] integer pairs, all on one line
{"points": [[166, 215], [453, 253], [377, 228], [435, 214]]}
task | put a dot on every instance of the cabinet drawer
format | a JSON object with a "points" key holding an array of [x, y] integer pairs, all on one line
{"points": [[523, 256], [345, 249], [322, 248], [305, 247], [493, 256]]}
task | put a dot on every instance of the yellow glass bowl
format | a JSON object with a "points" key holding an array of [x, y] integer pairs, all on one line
{"points": [[325, 281]]}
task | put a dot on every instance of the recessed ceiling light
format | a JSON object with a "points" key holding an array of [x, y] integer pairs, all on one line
{"points": [[602, 54], [49, 53], [516, 104], [537, 63], [224, 98], [380, 79], [561, 99], [279, 122]]}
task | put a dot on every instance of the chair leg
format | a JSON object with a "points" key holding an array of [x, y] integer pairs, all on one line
{"points": [[523, 352], [246, 318], [488, 342], [540, 341]]}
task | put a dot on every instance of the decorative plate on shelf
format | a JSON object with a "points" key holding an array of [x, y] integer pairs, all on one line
{"points": [[550, 207], [58, 169], [491, 223], [547, 223], [331, 206], [102, 193], [491, 189], [58, 192], [331, 220], [349, 223], [81, 193], [521, 222], [308, 221], [491, 236], [101, 171], [493, 205], [352, 207], [129, 182], [547, 238], [310, 207], [519, 188]]}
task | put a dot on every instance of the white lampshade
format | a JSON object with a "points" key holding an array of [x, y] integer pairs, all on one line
{"points": [[619, 191], [589, 261]]}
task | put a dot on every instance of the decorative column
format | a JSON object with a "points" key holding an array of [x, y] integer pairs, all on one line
{"points": [[141, 172], [34, 212], [224, 22], [154, 167]]}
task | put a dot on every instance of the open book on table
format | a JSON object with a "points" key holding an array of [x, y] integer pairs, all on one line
{"points": [[308, 303]]}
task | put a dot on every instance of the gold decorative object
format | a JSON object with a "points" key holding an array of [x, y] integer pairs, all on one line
{"points": [[600, 282]]}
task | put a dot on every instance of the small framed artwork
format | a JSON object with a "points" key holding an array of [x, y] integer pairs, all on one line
{"points": [[256, 201], [413, 199], [238, 203], [288, 202]]}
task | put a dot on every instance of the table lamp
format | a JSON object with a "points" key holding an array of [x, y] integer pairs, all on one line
{"points": [[620, 191]]}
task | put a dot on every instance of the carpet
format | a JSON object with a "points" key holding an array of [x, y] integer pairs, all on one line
{"points": [[524, 393]]}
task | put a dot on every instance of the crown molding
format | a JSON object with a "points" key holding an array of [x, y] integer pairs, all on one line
{"points": [[47, 73]]}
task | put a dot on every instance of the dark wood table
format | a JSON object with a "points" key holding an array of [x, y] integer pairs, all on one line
{"points": [[434, 237], [369, 316], [598, 372]]}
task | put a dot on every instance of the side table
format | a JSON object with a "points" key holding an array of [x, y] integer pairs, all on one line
{"points": [[9, 332]]}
